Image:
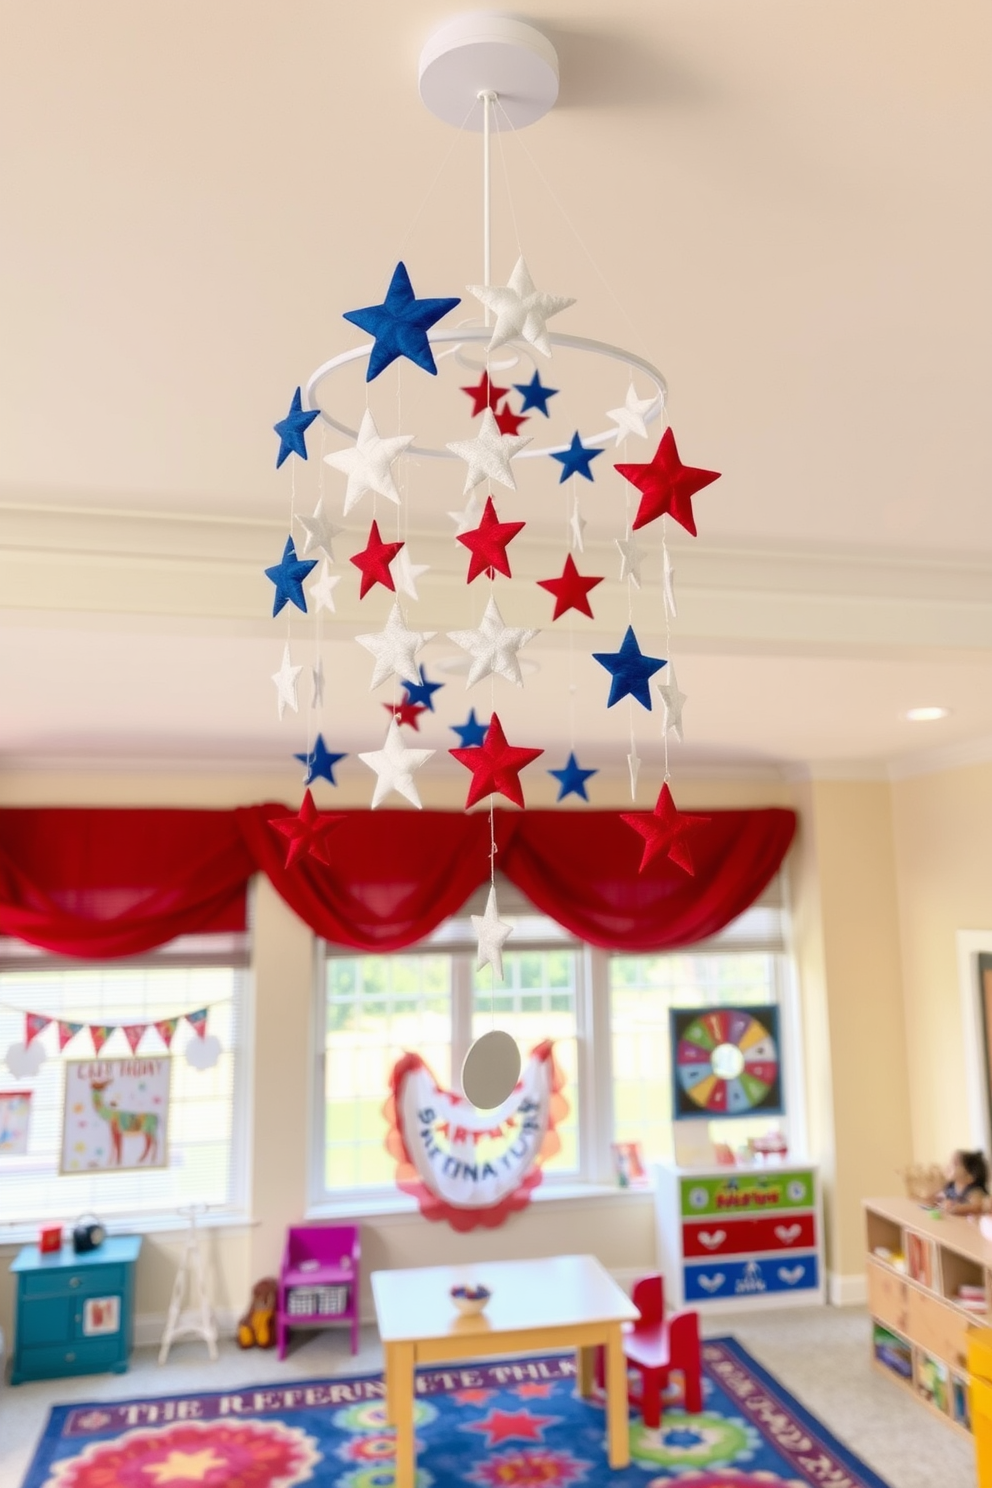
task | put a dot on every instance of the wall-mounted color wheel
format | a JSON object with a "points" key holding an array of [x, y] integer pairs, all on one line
{"points": [[727, 1062]]}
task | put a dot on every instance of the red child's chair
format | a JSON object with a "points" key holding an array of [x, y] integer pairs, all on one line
{"points": [[319, 1280], [656, 1346]]}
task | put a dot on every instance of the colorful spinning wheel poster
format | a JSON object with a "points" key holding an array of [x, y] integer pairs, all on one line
{"points": [[726, 1062]]}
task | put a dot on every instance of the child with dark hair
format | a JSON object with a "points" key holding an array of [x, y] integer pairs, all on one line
{"points": [[966, 1190]]}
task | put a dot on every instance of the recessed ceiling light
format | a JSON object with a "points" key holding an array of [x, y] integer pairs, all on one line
{"points": [[926, 715]]}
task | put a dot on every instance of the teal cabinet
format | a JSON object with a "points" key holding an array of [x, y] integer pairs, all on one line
{"points": [[74, 1313]]}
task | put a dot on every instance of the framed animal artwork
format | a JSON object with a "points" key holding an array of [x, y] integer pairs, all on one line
{"points": [[116, 1115]]}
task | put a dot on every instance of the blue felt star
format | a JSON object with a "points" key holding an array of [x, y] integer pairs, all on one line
{"points": [[576, 459], [572, 779], [400, 325], [631, 670], [535, 394], [292, 429], [288, 576], [423, 691], [319, 762], [472, 733]]}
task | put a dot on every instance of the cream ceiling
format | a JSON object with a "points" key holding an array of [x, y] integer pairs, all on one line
{"points": [[784, 204]]}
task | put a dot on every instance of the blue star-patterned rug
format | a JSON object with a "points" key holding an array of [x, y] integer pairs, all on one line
{"points": [[508, 1424]]}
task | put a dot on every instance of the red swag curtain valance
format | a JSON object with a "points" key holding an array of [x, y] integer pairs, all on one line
{"points": [[97, 883]]}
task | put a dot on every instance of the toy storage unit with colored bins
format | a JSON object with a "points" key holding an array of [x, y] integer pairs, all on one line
{"points": [[737, 1238], [929, 1281], [74, 1313]]}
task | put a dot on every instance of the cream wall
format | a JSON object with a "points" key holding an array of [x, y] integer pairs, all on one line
{"points": [[842, 873], [943, 837]]}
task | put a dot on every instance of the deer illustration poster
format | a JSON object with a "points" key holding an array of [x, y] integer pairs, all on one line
{"points": [[116, 1114]]}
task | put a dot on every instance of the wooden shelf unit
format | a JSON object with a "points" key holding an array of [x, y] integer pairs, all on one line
{"points": [[920, 1329]]}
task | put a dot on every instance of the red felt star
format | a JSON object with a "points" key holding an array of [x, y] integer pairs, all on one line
{"points": [[374, 561], [500, 1426], [487, 543], [508, 422], [406, 713], [495, 766], [666, 830], [308, 831], [571, 590], [667, 485], [484, 395]]}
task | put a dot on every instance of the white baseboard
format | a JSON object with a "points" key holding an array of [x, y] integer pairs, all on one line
{"points": [[149, 1327], [847, 1291]]}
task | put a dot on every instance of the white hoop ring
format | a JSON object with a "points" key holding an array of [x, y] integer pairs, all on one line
{"points": [[572, 343]]}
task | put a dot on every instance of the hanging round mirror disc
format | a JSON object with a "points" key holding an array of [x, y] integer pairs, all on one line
{"points": [[491, 1069]]}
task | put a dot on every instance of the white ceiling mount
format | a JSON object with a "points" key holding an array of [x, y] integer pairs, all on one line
{"points": [[482, 52]]}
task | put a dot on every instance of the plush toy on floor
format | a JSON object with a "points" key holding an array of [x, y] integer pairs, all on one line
{"points": [[255, 1330]]}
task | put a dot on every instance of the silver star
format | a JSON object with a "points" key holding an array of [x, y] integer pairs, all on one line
{"points": [[285, 679], [521, 310], [405, 574], [394, 648], [673, 702], [367, 463], [634, 766], [488, 456], [468, 519], [317, 678], [491, 932], [493, 647], [577, 523], [320, 531], [631, 556], [394, 765], [322, 593], [669, 582], [630, 418]]}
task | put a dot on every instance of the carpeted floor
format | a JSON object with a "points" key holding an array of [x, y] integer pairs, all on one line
{"points": [[496, 1424]]}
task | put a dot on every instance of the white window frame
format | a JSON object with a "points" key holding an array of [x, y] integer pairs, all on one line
{"points": [[191, 951]]}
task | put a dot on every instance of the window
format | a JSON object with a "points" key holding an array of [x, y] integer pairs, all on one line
{"points": [[206, 1125], [608, 1015], [373, 1008]]}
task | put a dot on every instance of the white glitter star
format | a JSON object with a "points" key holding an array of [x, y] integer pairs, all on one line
{"points": [[630, 418], [394, 648], [317, 678], [285, 679], [405, 574], [521, 310], [367, 463], [322, 592], [673, 701], [493, 647], [320, 531], [488, 456], [468, 519], [669, 582], [491, 932], [634, 766], [631, 556], [394, 765], [577, 525]]}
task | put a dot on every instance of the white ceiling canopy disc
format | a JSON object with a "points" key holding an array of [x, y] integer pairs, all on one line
{"points": [[482, 52]]}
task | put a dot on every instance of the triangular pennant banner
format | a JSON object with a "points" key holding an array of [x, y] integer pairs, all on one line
{"points": [[35, 1023], [99, 1033], [67, 1032], [166, 1028], [198, 1021], [134, 1033]]}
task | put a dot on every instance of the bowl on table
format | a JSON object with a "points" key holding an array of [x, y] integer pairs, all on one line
{"points": [[470, 1300]]}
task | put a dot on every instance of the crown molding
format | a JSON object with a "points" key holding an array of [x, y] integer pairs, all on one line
{"points": [[938, 761]]}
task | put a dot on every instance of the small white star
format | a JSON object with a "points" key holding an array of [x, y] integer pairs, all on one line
{"points": [[631, 556], [394, 765], [577, 523], [634, 766], [467, 520], [367, 463], [673, 702], [320, 531], [317, 678], [630, 418], [405, 574], [394, 648], [669, 582], [491, 932], [493, 647], [322, 592], [521, 310], [488, 456], [285, 679]]}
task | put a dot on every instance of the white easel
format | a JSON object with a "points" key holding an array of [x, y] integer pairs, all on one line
{"points": [[198, 1321]]}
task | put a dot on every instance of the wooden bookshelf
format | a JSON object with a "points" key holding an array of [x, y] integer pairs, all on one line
{"points": [[919, 1269]]}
